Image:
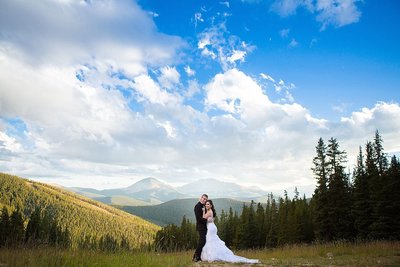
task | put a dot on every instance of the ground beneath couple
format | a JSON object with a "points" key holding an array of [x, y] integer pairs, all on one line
{"points": [[228, 264]]}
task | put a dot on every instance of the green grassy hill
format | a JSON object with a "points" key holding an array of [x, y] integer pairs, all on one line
{"points": [[173, 211], [84, 218]]}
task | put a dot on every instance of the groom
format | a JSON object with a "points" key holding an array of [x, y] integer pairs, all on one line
{"points": [[201, 226]]}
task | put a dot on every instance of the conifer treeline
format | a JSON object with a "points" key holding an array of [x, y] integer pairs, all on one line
{"points": [[43, 230], [39, 230], [362, 206], [33, 213]]}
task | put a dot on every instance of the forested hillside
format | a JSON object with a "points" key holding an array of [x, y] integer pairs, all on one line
{"points": [[171, 212], [87, 223]]}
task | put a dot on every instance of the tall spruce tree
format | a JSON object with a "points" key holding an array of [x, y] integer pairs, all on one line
{"points": [[339, 212], [361, 199], [374, 188], [260, 223], [272, 223], [376, 169], [393, 195], [320, 197], [380, 157]]}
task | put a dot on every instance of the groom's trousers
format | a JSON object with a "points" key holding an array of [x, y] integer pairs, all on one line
{"points": [[202, 241]]}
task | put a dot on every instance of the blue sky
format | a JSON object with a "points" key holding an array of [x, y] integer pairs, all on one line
{"points": [[104, 93]]}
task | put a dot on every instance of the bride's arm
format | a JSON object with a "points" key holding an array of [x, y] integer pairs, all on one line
{"points": [[207, 214]]}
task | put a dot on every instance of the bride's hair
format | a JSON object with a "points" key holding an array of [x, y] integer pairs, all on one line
{"points": [[212, 207]]}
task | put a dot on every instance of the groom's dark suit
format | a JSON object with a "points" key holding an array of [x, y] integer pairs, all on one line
{"points": [[201, 227]]}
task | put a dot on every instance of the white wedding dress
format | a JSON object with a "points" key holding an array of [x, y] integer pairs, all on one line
{"points": [[215, 249]]}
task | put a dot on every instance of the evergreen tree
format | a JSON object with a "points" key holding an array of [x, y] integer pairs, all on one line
{"points": [[393, 198], [240, 238], [361, 199], [272, 223], [251, 228], [261, 234], [380, 157], [339, 212], [222, 225], [16, 228], [320, 197], [33, 229], [283, 212], [230, 228], [5, 230]]}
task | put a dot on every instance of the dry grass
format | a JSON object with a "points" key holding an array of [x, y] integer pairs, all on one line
{"points": [[334, 254]]}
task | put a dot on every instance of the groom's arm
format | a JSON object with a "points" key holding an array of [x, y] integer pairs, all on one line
{"points": [[199, 214]]}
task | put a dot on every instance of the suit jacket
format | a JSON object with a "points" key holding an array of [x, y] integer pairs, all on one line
{"points": [[201, 223]]}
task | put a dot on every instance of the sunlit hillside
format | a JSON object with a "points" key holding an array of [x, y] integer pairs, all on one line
{"points": [[86, 220]]}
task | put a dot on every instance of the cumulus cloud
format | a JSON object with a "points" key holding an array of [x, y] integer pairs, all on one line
{"points": [[101, 107], [169, 77], [8, 143], [152, 92], [68, 33]]}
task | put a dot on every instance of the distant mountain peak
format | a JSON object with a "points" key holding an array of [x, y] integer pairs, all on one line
{"points": [[149, 183], [217, 188]]}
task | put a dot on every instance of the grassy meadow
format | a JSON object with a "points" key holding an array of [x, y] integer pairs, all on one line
{"points": [[335, 254]]}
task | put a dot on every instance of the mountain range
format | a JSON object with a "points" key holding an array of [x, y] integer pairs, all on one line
{"points": [[172, 212], [150, 191]]}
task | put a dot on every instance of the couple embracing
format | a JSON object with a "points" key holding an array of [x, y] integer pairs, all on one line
{"points": [[210, 246]]}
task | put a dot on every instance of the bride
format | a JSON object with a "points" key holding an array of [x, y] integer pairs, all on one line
{"points": [[215, 249]]}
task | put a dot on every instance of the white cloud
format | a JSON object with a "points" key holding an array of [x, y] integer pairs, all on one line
{"points": [[152, 92], [192, 88], [169, 77], [328, 12], [198, 18], [169, 129], [96, 116], [236, 93], [237, 56], [337, 12], [216, 42], [267, 77], [50, 33], [9, 143], [189, 71], [288, 7]]}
